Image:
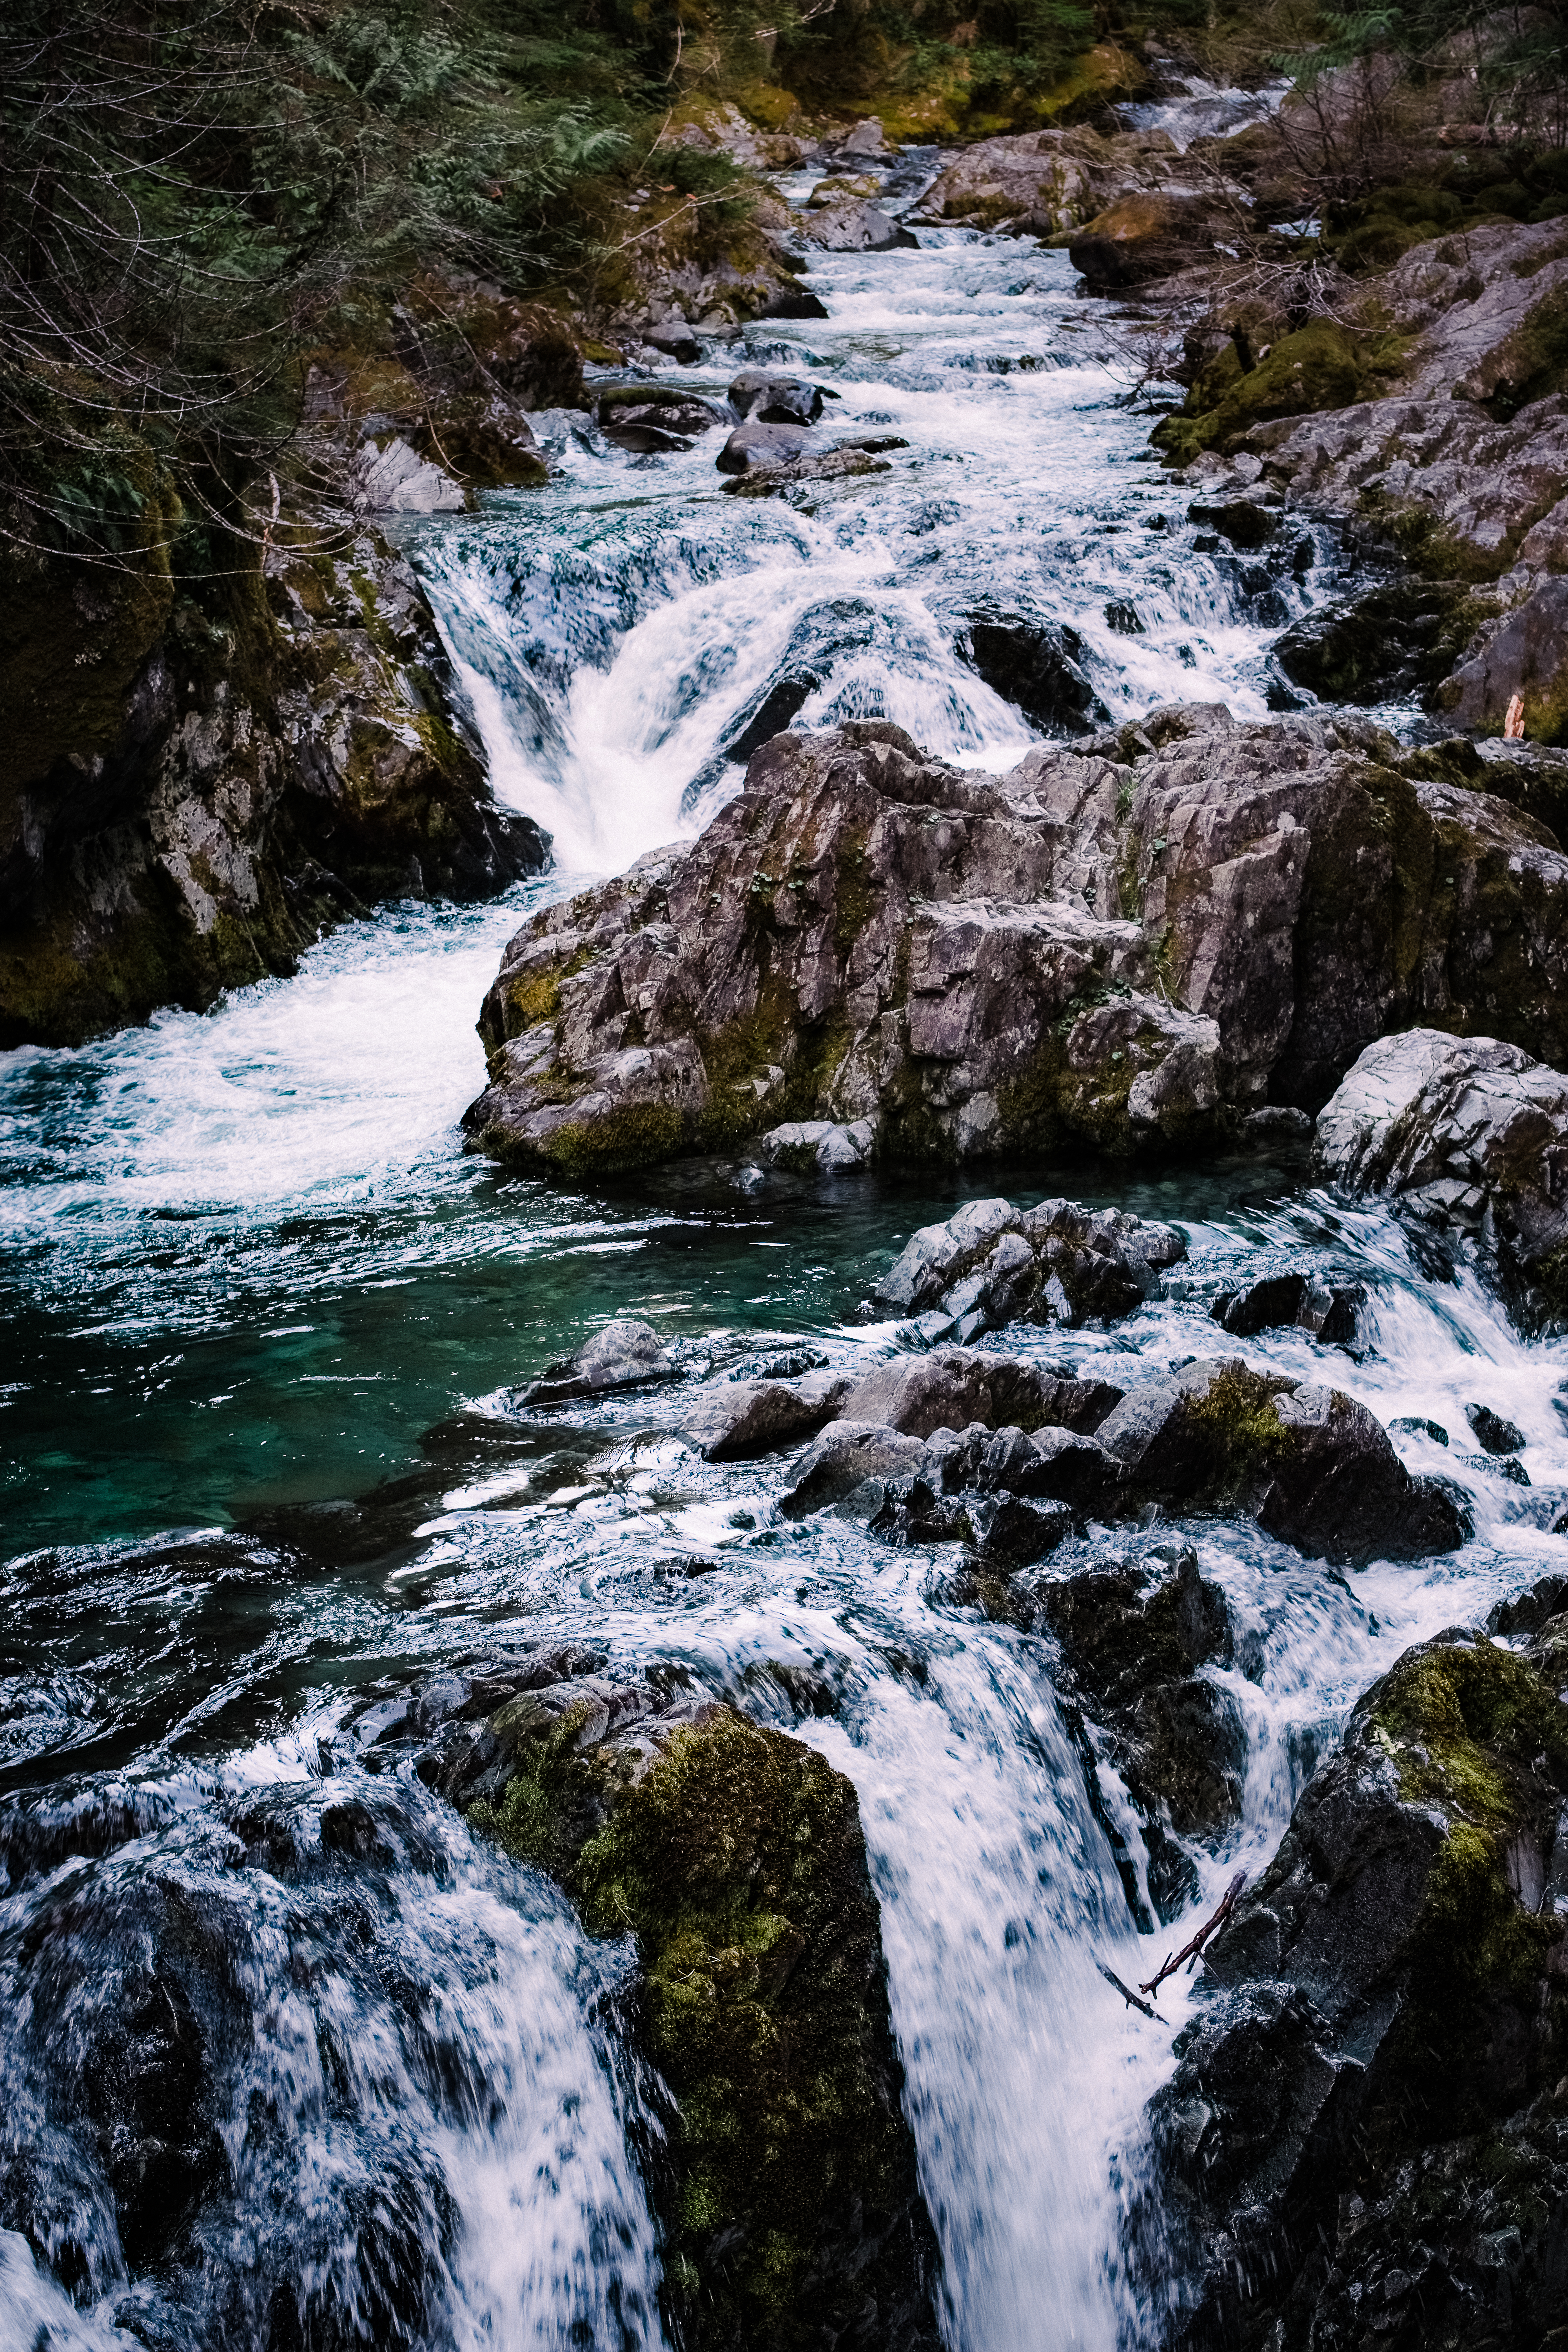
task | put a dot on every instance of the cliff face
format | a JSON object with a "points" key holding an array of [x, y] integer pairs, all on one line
{"points": [[197, 789]]}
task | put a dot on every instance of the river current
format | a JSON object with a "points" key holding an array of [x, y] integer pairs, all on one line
{"points": [[249, 1276]]}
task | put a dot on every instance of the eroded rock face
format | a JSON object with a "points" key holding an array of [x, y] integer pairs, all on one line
{"points": [[232, 791], [1388, 1999], [1134, 1639], [1133, 944], [791, 2211], [1468, 1132]]}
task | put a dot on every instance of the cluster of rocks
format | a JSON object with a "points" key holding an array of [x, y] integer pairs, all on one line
{"points": [[787, 2189], [993, 1263], [1137, 942], [771, 443], [1366, 2136], [918, 1439]]}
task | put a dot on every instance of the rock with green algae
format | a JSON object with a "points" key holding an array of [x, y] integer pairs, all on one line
{"points": [[1132, 943], [791, 2213], [1363, 2122]]}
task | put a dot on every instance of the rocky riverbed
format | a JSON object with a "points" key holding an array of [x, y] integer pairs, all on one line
{"points": [[629, 1641]]}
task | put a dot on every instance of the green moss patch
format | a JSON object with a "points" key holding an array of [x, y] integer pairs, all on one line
{"points": [[1321, 366]]}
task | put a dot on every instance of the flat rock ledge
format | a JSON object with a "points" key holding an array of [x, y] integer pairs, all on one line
{"points": [[1134, 943]]}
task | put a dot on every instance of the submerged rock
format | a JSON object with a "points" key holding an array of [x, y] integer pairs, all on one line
{"points": [[1466, 1133], [1133, 944], [792, 2213], [1362, 2120]]}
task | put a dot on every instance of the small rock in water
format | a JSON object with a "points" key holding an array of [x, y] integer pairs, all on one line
{"points": [[1492, 1432], [625, 1354], [734, 1421], [993, 1263], [752, 447], [759, 398], [1327, 1310], [1412, 1426]]}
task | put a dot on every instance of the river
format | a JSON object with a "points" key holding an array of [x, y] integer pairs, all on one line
{"points": [[248, 1274]]}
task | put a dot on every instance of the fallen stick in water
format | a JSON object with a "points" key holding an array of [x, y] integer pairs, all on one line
{"points": [[1190, 1951], [1130, 1997]]}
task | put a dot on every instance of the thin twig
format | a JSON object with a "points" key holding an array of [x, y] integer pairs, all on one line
{"points": [[1131, 1997], [1169, 1966]]}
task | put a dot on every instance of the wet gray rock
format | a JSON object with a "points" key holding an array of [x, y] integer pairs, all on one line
{"points": [[1037, 665], [1492, 1432], [1135, 1638], [823, 1146], [760, 398], [735, 1856], [1465, 1132], [755, 447], [735, 1420], [651, 417], [849, 225], [1328, 1310], [992, 1264], [1012, 1531], [1363, 2107], [1133, 945], [847, 1457], [957, 1388], [625, 1354], [1307, 1463]]}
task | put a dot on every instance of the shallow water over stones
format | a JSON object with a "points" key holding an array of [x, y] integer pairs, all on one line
{"points": [[266, 1469]]}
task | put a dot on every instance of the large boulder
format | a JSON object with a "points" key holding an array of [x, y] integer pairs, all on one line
{"points": [[1053, 181], [792, 2214], [625, 1354], [1132, 943], [1466, 1132], [1362, 2126], [1144, 237], [1310, 1464], [849, 225]]}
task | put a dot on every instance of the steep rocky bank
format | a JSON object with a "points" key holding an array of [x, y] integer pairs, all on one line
{"points": [[198, 789]]}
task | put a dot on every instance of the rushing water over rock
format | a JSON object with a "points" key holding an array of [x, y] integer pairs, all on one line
{"points": [[264, 1466]]}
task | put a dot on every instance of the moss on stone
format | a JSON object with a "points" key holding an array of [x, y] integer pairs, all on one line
{"points": [[736, 1859], [1236, 1425], [1321, 366]]}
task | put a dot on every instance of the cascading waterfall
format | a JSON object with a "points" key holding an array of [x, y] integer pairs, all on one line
{"points": [[248, 1274]]}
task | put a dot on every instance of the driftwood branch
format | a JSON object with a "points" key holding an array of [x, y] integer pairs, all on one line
{"points": [[1173, 1961], [1127, 1994]]}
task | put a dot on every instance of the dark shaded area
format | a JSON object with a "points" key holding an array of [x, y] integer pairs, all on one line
{"points": [[1034, 665]]}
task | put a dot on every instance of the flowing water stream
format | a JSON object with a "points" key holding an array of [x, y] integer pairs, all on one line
{"points": [[248, 1274]]}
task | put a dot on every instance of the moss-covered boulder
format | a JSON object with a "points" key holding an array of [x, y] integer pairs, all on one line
{"points": [[791, 2212], [1363, 2119]]}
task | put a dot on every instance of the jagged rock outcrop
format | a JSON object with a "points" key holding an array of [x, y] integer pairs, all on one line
{"points": [[1466, 1132], [1130, 943], [1057, 1263], [1362, 2140], [791, 2209], [198, 791]]}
